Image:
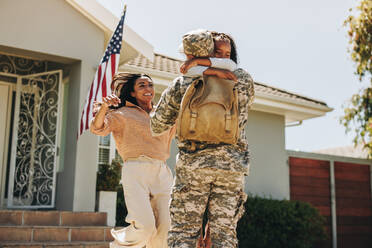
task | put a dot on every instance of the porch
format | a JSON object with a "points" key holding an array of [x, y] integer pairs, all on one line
{"points": [[31, 133]]}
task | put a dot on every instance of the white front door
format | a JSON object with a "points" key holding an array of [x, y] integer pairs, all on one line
{"points": [[35, 141]]}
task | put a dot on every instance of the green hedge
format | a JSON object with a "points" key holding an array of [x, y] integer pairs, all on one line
{"points": [[108, 176], [280, 223]]}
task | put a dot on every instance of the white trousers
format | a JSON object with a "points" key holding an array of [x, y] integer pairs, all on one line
{"points": [[147, 186]]}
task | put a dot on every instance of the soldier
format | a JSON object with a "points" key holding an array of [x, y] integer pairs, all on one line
{"points": [[207, 174]]}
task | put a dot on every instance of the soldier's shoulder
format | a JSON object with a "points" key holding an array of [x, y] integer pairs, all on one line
{"points": [[242, 74], [182, 82]]}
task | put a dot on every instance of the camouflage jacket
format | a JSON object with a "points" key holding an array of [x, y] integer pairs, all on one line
{"points": [[224, 156]]}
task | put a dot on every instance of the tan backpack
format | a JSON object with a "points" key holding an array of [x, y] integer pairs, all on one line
{"points": [[209, 112]]}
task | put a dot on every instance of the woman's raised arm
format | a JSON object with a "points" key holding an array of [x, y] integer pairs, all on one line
{"points": [[98, 121]]}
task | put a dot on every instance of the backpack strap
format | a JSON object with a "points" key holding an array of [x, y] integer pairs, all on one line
{"points": [[228, 121], [193, 117]]}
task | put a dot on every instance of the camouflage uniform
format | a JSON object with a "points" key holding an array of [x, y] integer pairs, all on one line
{"points": [[212, 175]]}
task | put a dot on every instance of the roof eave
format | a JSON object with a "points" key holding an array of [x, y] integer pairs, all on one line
{"points": [[163, 74], [292, 109]]}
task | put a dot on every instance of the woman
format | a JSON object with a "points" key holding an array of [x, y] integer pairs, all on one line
{"points": [[146, 179]]}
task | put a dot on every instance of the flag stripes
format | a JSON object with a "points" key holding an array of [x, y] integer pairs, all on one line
{"points": [[107, 68]]}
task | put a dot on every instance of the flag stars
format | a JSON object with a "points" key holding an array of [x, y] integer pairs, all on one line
{"points": [[115, 44]]}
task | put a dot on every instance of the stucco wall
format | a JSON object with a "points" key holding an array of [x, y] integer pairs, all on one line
{"points": [[51, 27], [269, 172], [55, 29]]}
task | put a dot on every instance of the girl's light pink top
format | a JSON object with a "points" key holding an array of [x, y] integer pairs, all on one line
{"points": [[130, 126]]}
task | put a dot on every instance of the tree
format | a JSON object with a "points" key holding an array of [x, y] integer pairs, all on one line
{"points": [[358, 115]]}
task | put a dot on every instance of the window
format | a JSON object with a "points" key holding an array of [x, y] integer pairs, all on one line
{"points": [[105, 155], [107, 150]]}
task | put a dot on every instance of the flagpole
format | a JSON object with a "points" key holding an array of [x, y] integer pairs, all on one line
{"points": [[124, 9]]}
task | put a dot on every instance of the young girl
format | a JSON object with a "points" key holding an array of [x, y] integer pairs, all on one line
{"points": [[146, 178], [206, 56]]}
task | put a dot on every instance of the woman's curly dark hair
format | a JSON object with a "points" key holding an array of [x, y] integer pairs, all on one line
{"points": [[127, 80], [225, 37]]}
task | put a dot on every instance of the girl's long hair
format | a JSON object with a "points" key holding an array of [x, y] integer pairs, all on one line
{"points": [[127, 80]]}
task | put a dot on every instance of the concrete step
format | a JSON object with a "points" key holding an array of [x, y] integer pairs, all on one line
{"points": [[56, 245], [55, 234], [51, 218]]}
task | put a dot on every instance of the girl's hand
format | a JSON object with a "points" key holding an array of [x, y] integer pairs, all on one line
{"points": [[111, 100], [224, 74], [187, 65]]}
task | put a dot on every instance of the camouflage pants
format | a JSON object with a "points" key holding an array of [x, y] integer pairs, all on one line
{"points": [[194, 189]]}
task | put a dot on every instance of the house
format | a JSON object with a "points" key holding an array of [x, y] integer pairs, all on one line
{"points": [[47, 62], [48, 58]]}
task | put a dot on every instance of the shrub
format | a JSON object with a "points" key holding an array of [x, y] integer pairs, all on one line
{"points": [[280, 223], [108, 176]]}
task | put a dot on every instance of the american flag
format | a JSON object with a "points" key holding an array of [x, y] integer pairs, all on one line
{"points": [[107, 68]]}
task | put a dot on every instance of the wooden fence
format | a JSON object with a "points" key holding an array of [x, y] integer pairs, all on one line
{"points": [[340, 188]]}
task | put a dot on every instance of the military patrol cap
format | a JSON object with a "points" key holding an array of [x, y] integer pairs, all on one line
{"points": [[198, 43]]}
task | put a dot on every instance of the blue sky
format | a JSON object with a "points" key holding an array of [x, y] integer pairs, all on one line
{"points": [[297, 45]]}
